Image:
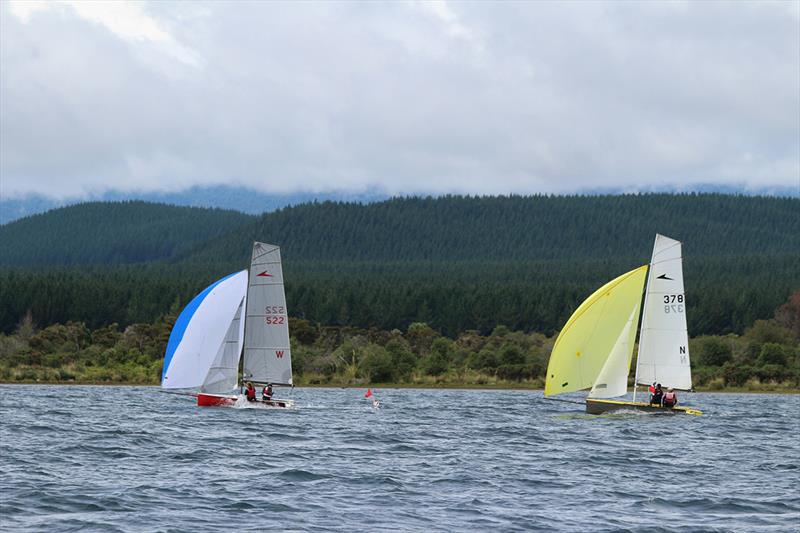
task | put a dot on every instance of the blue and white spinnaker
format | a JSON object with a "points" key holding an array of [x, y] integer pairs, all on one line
{"points": [[205, 343]]}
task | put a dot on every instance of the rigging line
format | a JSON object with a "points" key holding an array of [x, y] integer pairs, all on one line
{"points": [[640, 324], [178, 393], [563, 400]]}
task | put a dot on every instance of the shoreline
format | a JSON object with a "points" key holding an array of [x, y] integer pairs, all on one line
{"points": [[411, 386]]}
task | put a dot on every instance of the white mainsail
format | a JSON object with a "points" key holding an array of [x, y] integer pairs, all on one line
{"points": [[222, 377], [664, 341], [200, 331], [267, 355]]}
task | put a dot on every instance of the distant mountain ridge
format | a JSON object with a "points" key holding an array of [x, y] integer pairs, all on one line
{"points": [[251, 201], [240, 199]]}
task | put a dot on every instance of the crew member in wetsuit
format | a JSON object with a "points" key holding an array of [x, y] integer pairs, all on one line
{"points": [[266, 393], [670, 398], [657, 395], [250, 392]]}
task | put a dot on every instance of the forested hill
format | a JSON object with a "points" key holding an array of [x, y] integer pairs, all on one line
{"points": [[410, 229], [519, 228], [456, 263], [112, 233]]}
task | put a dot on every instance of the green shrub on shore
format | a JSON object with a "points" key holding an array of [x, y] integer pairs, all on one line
{"points": [[765, 357]]}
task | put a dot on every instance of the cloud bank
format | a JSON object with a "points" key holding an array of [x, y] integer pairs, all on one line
{"points": [[412, 97]]}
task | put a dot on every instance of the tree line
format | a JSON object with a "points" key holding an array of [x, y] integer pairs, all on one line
{"points": [[765, 357], [723, 296]]}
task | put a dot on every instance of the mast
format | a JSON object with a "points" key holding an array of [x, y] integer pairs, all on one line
{"points": [[641, 319], [240, 364], [244, 318]]}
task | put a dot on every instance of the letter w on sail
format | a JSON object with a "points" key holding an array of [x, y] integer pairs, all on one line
{"points": [[278, 353]]}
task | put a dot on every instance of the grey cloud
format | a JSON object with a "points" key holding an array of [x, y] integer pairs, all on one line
{"points": [[516, 97]]}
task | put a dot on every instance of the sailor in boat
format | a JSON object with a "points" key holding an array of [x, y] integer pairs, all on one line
{"points": [[250, 392], [657, 396], [266, 393], [670, 398]]}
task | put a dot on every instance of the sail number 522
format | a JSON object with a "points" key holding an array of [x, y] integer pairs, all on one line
{"points": [[275, 315], [673, 303]]}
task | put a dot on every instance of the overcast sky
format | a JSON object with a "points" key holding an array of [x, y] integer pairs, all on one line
{"points": [[402, 97]]}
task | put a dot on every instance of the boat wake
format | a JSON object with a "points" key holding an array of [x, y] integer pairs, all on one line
{"points": [[242, 403]]}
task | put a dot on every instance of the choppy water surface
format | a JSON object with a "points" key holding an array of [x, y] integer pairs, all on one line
{"points": [[134, 459]]}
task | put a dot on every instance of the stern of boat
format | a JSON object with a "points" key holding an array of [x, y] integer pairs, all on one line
{"points": [[215, 400]]}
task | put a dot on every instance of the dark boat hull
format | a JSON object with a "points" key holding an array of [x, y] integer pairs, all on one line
{"points": [[599, 407]]}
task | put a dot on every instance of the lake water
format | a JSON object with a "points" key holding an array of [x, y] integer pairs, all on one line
{"points": [[134, 459]]}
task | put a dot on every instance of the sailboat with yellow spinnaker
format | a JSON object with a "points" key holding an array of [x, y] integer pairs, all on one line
{"points": [[595, 347]]}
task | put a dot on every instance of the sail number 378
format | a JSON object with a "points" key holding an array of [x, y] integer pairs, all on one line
{"points": [[673, 303]]}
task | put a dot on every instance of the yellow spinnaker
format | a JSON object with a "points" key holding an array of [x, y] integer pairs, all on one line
{"points": [[587, 338]]}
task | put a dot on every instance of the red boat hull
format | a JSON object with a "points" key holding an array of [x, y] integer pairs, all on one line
{"points": [[215, 400]]}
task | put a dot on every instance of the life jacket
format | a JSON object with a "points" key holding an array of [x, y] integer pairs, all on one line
{"points": [[251, 393], [267, 392], [657, 395], [669, 399], [652, 389]]}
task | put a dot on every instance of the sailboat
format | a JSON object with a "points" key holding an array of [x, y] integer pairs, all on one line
{"points": [[239, 318], [595, 347]]}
